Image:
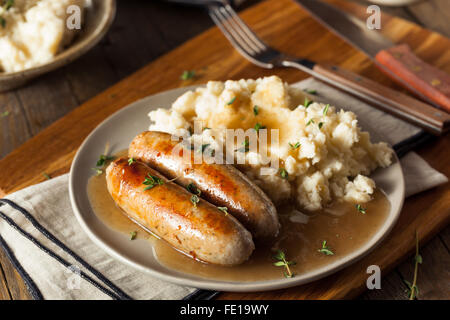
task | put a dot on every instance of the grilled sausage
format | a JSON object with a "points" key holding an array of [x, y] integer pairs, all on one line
{"points": [[199, 230], [220, 184]]}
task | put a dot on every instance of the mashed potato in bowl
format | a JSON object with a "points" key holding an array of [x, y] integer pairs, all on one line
{"points": [[323, 155], [32, 32]]}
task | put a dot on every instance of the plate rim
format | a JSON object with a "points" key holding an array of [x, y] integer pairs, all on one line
{"points": [[225, 285]]}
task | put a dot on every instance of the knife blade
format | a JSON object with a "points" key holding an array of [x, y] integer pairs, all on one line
{"points": [[397, 61]]}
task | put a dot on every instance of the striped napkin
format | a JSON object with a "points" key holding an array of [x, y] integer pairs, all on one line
{"points": [[41, 236]]}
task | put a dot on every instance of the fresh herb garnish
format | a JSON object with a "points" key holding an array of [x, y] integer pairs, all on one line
{"points": [[152, 181], [320, 125], [97, 171], [206, 128], [195, 199], [231, 101], [246, 146], [360, 209], [133, 235], [413, 289], [46, 175], [259, 126], [193, 189], [309, 122], [103, 159], [4, 114], [282, 262], [311, 91], [8, 4], [223, 209], [131, 161], [187, 74], [325, 110], [325, 249], [205, 146], [283, 173], [307, 103], [294, 146], [256, 110]]}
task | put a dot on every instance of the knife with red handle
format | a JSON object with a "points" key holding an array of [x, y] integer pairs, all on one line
{"points": [[402, 65], [397, 61]]}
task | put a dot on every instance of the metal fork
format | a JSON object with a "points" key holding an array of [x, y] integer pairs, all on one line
{"points": [[248, 43], [258, 52]]}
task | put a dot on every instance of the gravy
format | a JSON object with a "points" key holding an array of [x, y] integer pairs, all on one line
{"points": [[343, 227]]}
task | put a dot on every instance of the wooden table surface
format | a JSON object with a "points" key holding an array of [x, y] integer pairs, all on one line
{"points": [[28, 110]]}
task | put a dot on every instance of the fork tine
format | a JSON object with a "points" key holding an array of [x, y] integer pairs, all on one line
{"points": [[229, 32], [238, 30], [250, 34]]}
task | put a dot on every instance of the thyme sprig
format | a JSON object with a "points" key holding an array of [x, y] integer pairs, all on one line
{"points": [[413, 289], [325, 249], [152, 181], [280, 256]]}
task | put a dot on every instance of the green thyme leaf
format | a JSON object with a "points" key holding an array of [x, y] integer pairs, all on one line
{"points": [[283, 173], [187, 74], [309, 122], [320, 125], [231, 101], [151, 182], [97, 171], [325, 110], [205, 146], [294, 146], [193, 189], [256, 110], [131, 161], [8, 4], [361, 209], [223, 209], [310, 91], [246, 146], [103, 159], [4, 114], [133, 235], [259, 126], [282, 262], [46, 176], [325, 249], [195, 199], [307, 103], [418, 259], [2, 22]]}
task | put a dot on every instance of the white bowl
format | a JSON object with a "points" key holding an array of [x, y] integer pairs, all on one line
{"points": [[99, 18]]}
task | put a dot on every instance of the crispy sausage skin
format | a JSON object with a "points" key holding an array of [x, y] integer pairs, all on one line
{"points": [[220, 184], [201, 231]]}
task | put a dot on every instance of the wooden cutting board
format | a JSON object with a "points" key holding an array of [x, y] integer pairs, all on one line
{"points": [[283, 24]]}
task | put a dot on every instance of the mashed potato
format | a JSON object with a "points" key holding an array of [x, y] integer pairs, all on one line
{"points": [[32, 32], [323, 154]]}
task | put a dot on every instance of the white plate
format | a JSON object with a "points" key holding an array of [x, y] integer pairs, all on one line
{"points": [[118, 130], [99, 18]]}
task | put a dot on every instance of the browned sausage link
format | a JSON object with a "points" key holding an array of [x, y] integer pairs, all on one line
{"points": [[220, 184], [199, 230]]}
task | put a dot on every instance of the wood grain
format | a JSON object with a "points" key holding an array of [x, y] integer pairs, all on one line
{"points": [[54, 148]]}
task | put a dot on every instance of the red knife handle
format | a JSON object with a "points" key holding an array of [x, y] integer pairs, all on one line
{"points": [[402, 65]]}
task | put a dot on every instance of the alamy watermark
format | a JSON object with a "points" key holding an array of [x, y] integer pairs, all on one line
{"points": [[374, 20], [74, 17], [229, 146]]}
